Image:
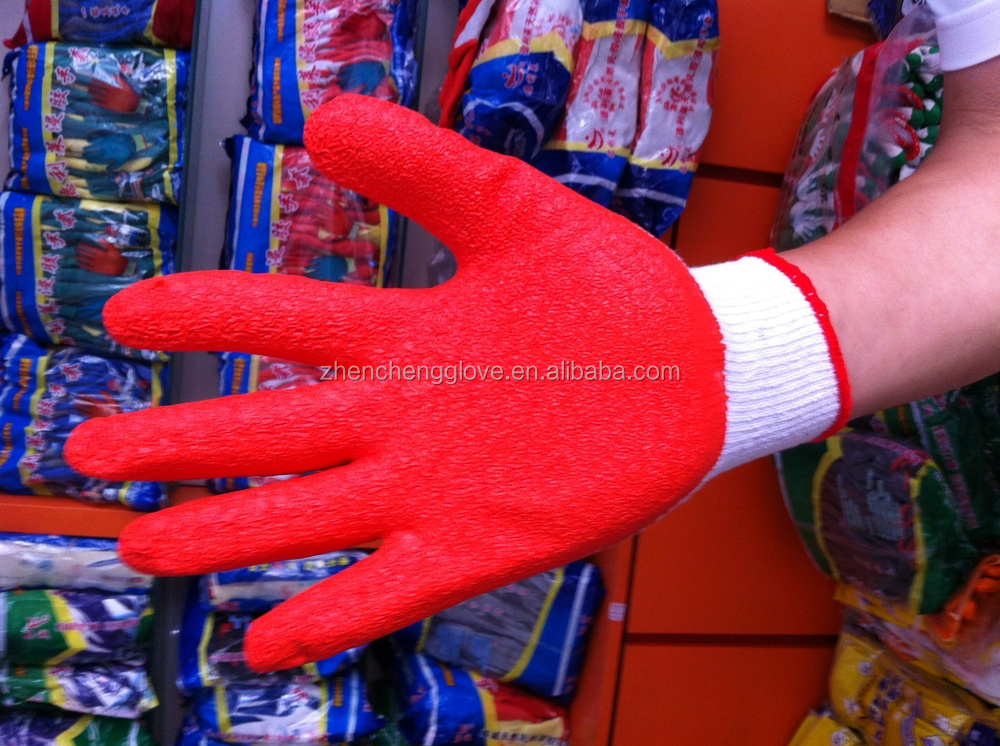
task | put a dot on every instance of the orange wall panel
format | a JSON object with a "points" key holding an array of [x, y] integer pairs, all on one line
{"points": [[728, 561], [676, 695], [775, 54]]}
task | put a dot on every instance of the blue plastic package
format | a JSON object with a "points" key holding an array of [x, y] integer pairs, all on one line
{"points": [[443, 705], [678, 71], [31, 727], [44, 395], [49, 561], [532, 633], [334, 710], [211, 654], [262, 587], [61, 259], [309, 51], [97, 122]]}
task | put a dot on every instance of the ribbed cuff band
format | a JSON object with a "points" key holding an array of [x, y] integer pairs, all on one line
{"points": [[785, 379]]}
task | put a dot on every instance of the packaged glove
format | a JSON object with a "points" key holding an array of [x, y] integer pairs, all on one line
{"points": [[821, 729], [79, 253], [334, 711], [877, 513], [97, 122], [29, 727], [309, 51], [162, 23], [44, 394], [53, 627], [512, 97], [677, 84], [592, 144], [890, 703], [532, 633], [44, 560], [211, 654], [265, 585], [871, 124], [443, 705], [108, 689], [459, 483]]}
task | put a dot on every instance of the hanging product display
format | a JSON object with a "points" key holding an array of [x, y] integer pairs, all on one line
{"points": [[47, 561], [161, 23], [61, 259], [44, 395], [308, 51], [109, 689], [532, 633], [33, 727], [877, 513], [97, 122], [443, 705], [56, 627], [334, 710]]}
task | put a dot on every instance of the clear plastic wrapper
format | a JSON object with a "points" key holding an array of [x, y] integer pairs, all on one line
{"points": [[517, 86], [309, 51], [97, 122], [872, 123], [44, 395], [532, 633], [42, 728], [68, 562], [675, 109], [334, 710], [891, 703], [442, 705], [61, 259], [264, 586], [878, 514], [211, 654], [161, 23], [107, 689], [590, 149], [53, 627]]}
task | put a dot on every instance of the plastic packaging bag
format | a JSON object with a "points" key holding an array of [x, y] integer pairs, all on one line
{"points": [[109, 689], [44, 395], [162, 23], [893, 704], [211, 654], [97, 122], [678, 80], [877, 513], [872, 124], [53, 627], [264, 586], [443, 705], [79, 253], [41, 728], [591, 147], [309, 51], [334, 710], [516, 88], [48, 561], [821, 729], [532, 633]]}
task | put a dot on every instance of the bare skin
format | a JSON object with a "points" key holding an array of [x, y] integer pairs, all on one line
{"points": [[913, 281]]}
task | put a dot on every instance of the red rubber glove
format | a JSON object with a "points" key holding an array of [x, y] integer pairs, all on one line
{"points": [[470, 486], [120, 97], [104, 259]]}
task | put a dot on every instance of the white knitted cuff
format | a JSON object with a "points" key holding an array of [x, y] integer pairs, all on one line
{"points": [[785, 379], [968, 31]]}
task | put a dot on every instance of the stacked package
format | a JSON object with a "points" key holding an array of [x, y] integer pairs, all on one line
{"points": [[285, 216], [613, 99], [75, 624], [901, 506], [96, 120], [319, 703]]}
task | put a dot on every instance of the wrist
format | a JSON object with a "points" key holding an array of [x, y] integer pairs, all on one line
{"points": [[786, 382]]}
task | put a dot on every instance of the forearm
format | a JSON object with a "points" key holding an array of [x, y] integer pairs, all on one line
{"points": [[912, 283]]}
